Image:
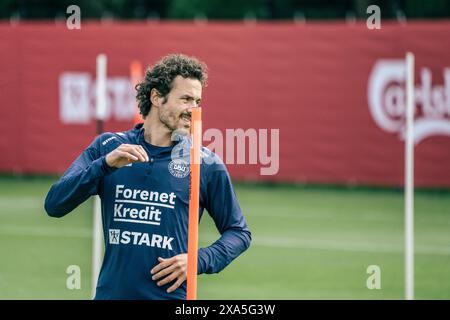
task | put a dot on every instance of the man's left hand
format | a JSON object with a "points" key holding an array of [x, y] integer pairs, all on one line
{"points": [[171, 269]]}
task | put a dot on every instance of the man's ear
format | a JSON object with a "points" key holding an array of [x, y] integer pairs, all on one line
{"points": [[155, 98]]}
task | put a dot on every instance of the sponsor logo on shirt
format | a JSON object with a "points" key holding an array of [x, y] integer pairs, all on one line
{"points": [[141, 206], [117, 236], [114, 235]]}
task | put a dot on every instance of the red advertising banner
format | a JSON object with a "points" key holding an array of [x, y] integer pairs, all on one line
{"points": [[315, 102]]}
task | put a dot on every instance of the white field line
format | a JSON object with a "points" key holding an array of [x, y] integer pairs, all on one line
{"points": [[10, 204], [20, 204], [258, 241], [26, 231], [339, 245], [363, 216]]}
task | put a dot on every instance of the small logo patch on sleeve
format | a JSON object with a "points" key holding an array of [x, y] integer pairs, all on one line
{"points": [[108, 140]]}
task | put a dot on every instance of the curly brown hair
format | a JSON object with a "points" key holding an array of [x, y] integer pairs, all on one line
{"points": [[163, 73]]}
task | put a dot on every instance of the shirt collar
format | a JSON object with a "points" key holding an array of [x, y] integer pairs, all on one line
{"points": [[177, 138]]}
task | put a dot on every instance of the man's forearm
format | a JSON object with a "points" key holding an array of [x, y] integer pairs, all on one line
{"points": [[229, 246], [74, 188]]}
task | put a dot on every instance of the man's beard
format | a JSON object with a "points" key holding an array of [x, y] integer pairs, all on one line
{"points": [[171, 128], [166, 123]]}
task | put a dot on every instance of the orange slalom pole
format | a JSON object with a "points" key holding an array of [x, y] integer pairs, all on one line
{"points": [[136, 77], [194, 199]]}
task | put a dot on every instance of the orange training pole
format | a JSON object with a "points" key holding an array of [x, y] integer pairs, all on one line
{"points": [[136, 77], [196, 134]]}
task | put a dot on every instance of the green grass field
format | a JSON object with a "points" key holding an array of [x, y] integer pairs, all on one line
{"points": [[308, 243]]}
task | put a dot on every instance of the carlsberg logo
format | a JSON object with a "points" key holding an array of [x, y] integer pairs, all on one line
{"points": [[387, 100]]}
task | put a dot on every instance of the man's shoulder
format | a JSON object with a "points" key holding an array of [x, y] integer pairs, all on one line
{"points": [[211, 160], [108, 137], [111, 140]]}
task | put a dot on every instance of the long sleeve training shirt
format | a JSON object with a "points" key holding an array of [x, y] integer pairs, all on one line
{"points": [[145, 212]]}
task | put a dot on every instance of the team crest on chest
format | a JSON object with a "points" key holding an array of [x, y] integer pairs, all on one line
{"points": [[179, 168]]}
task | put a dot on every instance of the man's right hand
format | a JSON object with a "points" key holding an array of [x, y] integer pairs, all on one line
{"points": [[126, 154]]}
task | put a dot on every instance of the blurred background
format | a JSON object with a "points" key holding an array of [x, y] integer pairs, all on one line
{"points": [[230, 10], [319, 72]]}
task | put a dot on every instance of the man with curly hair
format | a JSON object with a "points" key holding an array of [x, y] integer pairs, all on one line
{"points": [[142, 178]]}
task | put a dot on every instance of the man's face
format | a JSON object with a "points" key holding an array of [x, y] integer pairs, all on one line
{"points": [[175, 113]]}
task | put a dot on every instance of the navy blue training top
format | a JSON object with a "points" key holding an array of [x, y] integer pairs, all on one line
{"points": [[145, 212]]}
